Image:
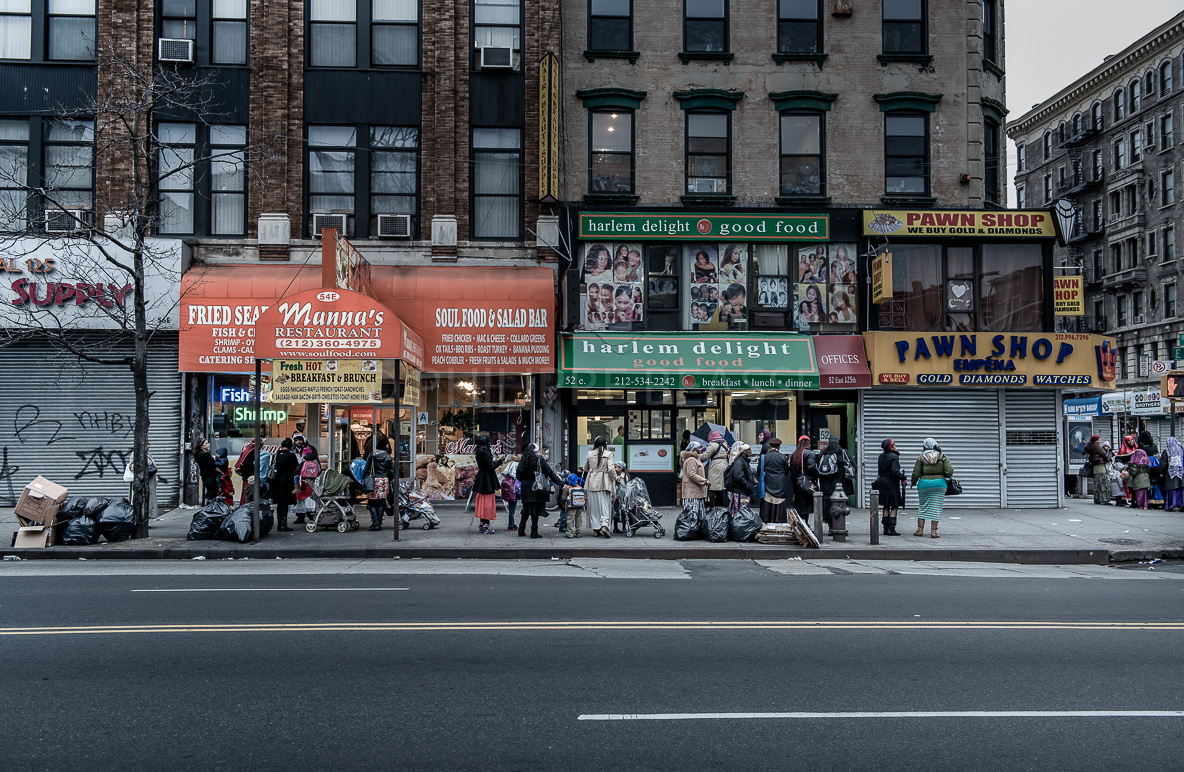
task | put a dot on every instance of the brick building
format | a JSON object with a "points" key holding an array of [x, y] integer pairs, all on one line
{"points": [[1110, 143]]}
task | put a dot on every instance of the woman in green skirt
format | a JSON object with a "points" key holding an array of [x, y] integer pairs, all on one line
{"points": [[929, 478]]}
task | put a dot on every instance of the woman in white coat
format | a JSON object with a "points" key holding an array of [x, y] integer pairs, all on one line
{"points": [[129, 477], [600, 480]]}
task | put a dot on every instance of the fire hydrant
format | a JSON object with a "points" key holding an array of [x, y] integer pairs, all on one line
{"points": [[838, 514]]}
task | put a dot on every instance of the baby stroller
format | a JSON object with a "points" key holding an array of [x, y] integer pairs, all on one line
{"points": [[333, 506], [413, 504], [638, 511]]}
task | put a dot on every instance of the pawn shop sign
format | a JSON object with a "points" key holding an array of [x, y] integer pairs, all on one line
{"points": [[1068, 296]]}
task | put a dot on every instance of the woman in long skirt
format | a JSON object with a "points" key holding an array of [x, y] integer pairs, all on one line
{"points": [[929, 477], [485, 486], [600, 480], [1173, 476]]}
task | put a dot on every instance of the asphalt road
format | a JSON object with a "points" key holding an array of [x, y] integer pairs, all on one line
{"points": [[214, 670]]}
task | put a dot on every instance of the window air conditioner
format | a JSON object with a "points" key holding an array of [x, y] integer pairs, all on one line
{"points": [[325, 220], [174, 50], [394, 226], [1137, 320], [66, 220], [705, 185], [497, 58]]}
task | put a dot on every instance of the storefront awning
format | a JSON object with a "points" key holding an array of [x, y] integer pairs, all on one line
{"points": [[1087, 406], [842, 362], [739, 360], [475, 320]]}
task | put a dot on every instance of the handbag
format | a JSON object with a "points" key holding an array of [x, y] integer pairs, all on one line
{"points": [[953, 487], [1087, 470], [542, 484], [368, 477]]}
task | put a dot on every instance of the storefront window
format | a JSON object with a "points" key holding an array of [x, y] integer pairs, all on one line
{"points": [[612, 287], [751, 412], [718, 285], [827, 291], [1012, 288], [917, 289], [232, 413], [960, 289]]}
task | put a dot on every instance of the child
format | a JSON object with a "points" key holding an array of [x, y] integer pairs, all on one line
{"points": [[225, 481], [575, 515], [510, 496], [309, 471]]}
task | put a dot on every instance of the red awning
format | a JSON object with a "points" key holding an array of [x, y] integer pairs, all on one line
{"points": [[842, 362]]}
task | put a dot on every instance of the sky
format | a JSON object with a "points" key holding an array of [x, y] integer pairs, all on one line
{"points": [[1051, 43]]}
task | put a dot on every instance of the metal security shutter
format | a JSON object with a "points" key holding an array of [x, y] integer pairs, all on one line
{"points": [[1104, 428], [72, 421], [1031, 421], [964, 423]]}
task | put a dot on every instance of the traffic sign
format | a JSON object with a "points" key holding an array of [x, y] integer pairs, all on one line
{"points": [[1178, 352], [1180, 339], [1159, 368]]}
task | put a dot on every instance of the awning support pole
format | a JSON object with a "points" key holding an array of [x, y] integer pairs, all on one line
{"points": [[257, 398], [398, 492]]}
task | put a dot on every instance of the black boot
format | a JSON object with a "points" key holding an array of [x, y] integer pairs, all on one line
{"points": [[884, 524], [282, 523], [892, 527]]}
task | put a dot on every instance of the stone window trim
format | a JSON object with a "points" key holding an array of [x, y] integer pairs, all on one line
{"points": [[907, 100], [604, 98], [995, 110], [708, 99], [802, 100]]}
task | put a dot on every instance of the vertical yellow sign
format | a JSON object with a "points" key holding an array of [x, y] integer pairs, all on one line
{"points": [[549, 128], [1068, 296], [882, 278]]}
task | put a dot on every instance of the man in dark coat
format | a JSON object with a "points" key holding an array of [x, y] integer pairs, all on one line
{"points": [[889, 477], [743, 482], [534, 503], [830, 474], [287, 467], [779, 487]]}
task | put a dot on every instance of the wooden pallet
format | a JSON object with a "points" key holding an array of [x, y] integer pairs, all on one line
{"points": [[794, 532]]}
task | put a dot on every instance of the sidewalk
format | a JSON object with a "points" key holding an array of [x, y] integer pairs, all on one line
{"points": [[1082, 532]]}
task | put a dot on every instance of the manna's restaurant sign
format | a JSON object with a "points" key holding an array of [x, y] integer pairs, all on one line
{"points": [[638, 226], [681, 361], [989, 359], [320, 323], [970, 223]]}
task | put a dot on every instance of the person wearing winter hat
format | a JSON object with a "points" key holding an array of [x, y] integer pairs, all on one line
{"points": [[715, 459], [929, 477], [778, 484], [803, 467], [888, 482]]}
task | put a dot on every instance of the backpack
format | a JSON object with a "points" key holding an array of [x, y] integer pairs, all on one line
{"points": [[729, 478], [828, 465]]}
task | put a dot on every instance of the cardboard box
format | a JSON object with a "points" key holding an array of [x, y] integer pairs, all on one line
{"points": [[39, 502], [37, 536]]}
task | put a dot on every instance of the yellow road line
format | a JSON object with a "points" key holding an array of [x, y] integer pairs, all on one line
{"points": [[248, 627]]}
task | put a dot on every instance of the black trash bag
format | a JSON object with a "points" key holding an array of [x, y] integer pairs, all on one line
{"points": [[717, 524], [237, 525], [83, 529], [207, 520], [95, 507], [118, 521], [691, 523], [745, 525], [73, 507]]}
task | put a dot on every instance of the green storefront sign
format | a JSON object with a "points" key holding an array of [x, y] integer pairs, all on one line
{"points": [[640, 226], [740, 360]]}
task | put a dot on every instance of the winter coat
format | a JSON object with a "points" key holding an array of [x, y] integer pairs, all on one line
{"points": [[205, 464], [1138, 477], [525, 475], [287, 466], [380, 464], [1096, 454], [600, 471], [486, 480], [1147, 444], [888, 472], [1167, 482], [932, 465], [778, 480], [715, 460], [509, 490], [828, 482], [694, 480], [743, 481]]}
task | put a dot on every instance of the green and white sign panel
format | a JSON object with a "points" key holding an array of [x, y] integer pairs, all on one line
{"points": [[642, 226], [677, 360]]}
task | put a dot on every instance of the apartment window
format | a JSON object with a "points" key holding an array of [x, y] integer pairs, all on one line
{"points": [[71, 30], [708, 149], [1062, 180], [1122, 305], [799, 26], [1119, 154], [497, 183], [1098, 215], [178, 19], [1152, 244], [69, 165], [14, 170], [1149, 135], [991, 161], [496, 24], [1076, 124], [1119, 105], [1021, 158], [1115, 258], [1165, 78], [394, 170], [1167, 188], [1099, 170], [331, 168], [1135, 96], [1099, 271], [1123, 368], [1061, 132], [990, 30], [610, 25], [1095, 113], [904, 27], [1047, 145], [1169, 301], [1021, 197], [1137, 306], [228, 180], [394, 33], [1166, 136], [228, 21], [16, 29], [175, 177], [802, 154], [610, 161], [705, 25], [332, 32], [906, 153], [1136, 146], [1169, 243], [1047, 188]]}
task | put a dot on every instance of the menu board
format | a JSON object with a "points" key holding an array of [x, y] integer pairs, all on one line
{"points": [[651, 458]]}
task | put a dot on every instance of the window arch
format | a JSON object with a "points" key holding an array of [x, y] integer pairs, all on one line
{"points": [[1149, 84], [1134, 96], [1096, 113], [1165, 78], [1076, 124], [1119, 105], [1047, 145], [1061, 133]]}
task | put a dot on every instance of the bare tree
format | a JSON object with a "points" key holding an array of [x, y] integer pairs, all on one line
{"points": [[111, 237]]}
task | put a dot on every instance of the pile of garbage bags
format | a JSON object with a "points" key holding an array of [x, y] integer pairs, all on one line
{"points": [[217, 520], [716, 524], [91, 518]]}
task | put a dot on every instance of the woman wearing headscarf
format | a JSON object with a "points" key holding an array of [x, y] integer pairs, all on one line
{"points": [[763, 441], [1138, 477], [1172, 462], [1125, 451], [485, 485], [1114, 472], [1098, 457], [207, 471], [929, 477], [743, 482], [804, 469], [778, 484], [534, 502], [600, 481], [382, 467], [715, 459], [888, 479]]}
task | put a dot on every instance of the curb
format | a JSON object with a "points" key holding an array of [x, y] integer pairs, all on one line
{"points": [[726, 552]]}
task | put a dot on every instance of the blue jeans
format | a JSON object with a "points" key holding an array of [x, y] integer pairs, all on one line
{"points": [[562, 519], [512, 505]]}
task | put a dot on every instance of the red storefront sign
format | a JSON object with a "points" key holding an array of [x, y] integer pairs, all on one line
{"points": [[331, 323], [842, 362]]}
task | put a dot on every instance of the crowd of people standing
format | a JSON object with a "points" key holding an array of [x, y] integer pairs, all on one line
{"points": [[1138, 473]]}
